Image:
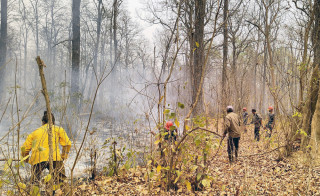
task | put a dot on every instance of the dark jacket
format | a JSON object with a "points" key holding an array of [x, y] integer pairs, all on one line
{"points": [[256, 120]]}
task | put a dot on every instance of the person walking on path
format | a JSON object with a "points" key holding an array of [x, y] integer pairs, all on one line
{"points": [[233, 128], [257, 121], [271, 121], [37, 143]]}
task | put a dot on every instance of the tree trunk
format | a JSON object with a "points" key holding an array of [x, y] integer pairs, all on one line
{"points": [[189, 26], [75, 73], [225, 54], [25, 56], [304, 65], [127, 44], [200, 12], [3, 46], [237, 96], [264, 78], [115, 27], [96, 50], [315, 128], [114, 49], [256, 63], [312, 104], [36, 15]]}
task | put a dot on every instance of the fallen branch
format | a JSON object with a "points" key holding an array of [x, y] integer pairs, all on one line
{"points": [[46, 96], [8, 159], [197, 128]]}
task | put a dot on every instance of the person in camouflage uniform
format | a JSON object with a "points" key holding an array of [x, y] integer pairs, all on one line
{"points": [[271, 122], [257, 121], [245, 117]]}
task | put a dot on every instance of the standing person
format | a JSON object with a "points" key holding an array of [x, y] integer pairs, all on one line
{"points": [[173, 131], [245, 116], [257, 121], [233, 128], [271, 121], [37, 143]]}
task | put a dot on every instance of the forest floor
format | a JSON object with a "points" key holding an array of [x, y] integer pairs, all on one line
{"points": [[257, 172]]}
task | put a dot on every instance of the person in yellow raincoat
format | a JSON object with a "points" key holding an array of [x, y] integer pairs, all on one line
{"points": [[37, 144]]}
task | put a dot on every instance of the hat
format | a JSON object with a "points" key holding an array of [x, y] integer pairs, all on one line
{"points": [[245, 109], [270, 108], [229, 107], [168, 125]]}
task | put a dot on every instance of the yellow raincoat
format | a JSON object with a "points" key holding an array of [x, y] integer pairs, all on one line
{"points": [[37, 142]]}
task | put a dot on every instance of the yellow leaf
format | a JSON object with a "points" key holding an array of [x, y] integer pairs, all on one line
{"points": [[56, 187], [187, 128], [157, 142], [35, 191], [177, 123], [158, 168], [206, 182], [149, 162], [7, 164], [194, 168], [179, 174], [21, 185], [188, 184], [47, 178], [166, 111], [172, 148], [197, 44]]}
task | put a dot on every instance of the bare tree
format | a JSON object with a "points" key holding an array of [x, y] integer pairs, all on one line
{"points": [[312, 106], [269, 27], [75, 52], [198, 63], [240, 39], [3, 45], [225, 52]]}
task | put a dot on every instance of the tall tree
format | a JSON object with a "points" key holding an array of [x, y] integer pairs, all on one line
{"points": [[114, 39], [269, 25], [312, 107], [99, 20], [198, 61], [75, 52], [305, 31], [225, 52], [3, 45], [116, 5]]}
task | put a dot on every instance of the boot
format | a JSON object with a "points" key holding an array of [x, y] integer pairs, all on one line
{"points": [[230, 158], [236, 153]]}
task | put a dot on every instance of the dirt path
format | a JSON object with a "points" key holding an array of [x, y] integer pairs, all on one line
{"points": [[263, 174]]}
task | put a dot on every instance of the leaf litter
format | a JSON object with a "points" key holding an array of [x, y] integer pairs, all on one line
{"points": [[262, 174]]}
